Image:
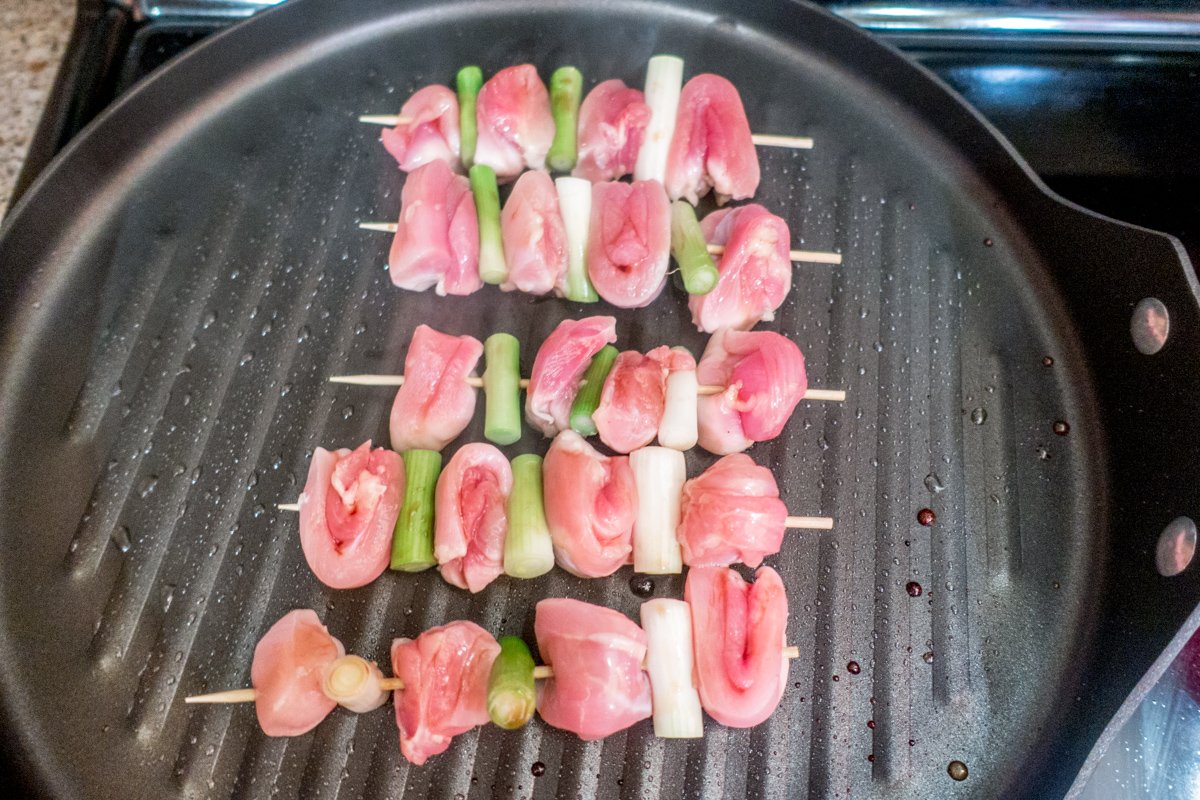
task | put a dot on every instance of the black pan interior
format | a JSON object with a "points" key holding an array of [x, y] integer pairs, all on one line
{"points": [[178, 288]]}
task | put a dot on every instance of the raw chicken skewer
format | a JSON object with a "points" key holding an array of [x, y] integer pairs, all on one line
{"points": [[370, 379], [760, 139], [801, 256]]}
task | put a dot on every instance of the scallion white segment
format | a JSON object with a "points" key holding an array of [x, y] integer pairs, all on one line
{"points": [[659, 473], [678, 428], [575, 202], [676, 703], [353, 682], [664, 81]]}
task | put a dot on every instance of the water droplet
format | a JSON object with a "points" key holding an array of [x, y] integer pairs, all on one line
{"points": [[957, 770], [878, 347], [209, 319], [1061, 428], [538, 769], [266, 328], [120, 537], [641, 585], [1048, 361], [926, 517], [246, 359], [933, 482], [283, 390], [1176, 546], [303, 334], [347, 412], [359, 330], [166, 595], [913, 588], [823, 443], [147, 487], [853, 668], [927, 656], [1043, 454], [988, 242], [979, 416], [1150, 326]]}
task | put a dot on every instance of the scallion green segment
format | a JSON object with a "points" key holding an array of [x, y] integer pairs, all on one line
{"points": [[587, 400], [492, 266], [412, 544], [469, 81], [511, 696], [566, 90], [502, 388], [528, 550], [690, 251]]}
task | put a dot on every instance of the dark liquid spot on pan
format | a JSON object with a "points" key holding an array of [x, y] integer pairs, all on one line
{"points": [[913, 588], [871, 758], [987, 242], [871, 724], [1061, 428], [926, 516], [1048, 361], [853, 668], [538, 769], [641, 586]]}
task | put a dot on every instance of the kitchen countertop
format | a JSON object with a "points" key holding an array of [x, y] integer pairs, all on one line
{"points": [[33, 35]]}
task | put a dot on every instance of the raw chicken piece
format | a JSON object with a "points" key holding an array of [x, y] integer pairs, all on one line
{"points": [[731, 512], [764, 376], [755, 269], [289, 665], [631, 405], [559, 365], [516, 128], [629, 242], [429, 131], [435, 403], [437, 237], [712, 146], [612, 124], [739, 634], [590, 502], [348, 511], [535, 241], [472, 516], [445, 673], [599, 686]]}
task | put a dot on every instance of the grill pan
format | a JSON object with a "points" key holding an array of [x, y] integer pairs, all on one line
{"points": [[180, 283]]}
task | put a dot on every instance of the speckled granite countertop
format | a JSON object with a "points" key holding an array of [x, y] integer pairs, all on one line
{"points": [[33, 34]]}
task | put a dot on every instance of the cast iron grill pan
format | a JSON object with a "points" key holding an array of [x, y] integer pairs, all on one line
{"points": [[179, 286]]}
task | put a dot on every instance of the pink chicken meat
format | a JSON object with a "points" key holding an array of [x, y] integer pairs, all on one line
{"points": [[712, 147], [755, 269], [435, 403], [558, 367], [535, 241], [445, 674], [348, 511], [631, 404], [287, 673], [629, 242], [599, 686], [612, 125], [472, 516], [590, 502], [437, 237], [739, 636], [731, 513], [513, 117], [428, 131], [763, 373]]}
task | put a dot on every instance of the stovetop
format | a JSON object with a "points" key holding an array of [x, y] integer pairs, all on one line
{"points": [[1103, 103]]}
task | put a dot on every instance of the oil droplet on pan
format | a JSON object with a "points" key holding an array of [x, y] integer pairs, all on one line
{"points": [[957, 770]]}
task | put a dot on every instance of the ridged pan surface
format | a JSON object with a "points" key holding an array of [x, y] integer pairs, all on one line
{"points": [[190, 301]]}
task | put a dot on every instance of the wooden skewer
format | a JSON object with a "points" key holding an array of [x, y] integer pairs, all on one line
{"points": [[827, 395], [805, 256], [540, 673], [761, 139], [794, 522]]}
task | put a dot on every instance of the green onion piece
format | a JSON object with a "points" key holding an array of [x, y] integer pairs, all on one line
{"points": [[691, 251], [575, 202], [492, 267], [469, 81], [502, 388], [587, 400], [566, 89], [412, 544], [528, 550], [511, 696]]}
